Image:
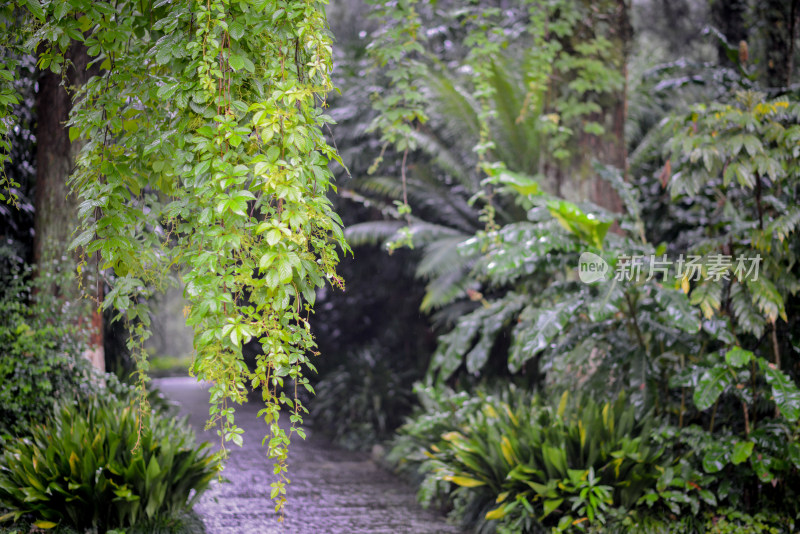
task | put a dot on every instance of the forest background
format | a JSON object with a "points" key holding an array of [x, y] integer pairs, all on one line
{"points": [[484, 148]]}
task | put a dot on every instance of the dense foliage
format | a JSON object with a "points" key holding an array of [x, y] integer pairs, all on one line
{"points": [[510, 146], [201, 147], [513, 458], [40, 361], [491, 129], [82, 468]]}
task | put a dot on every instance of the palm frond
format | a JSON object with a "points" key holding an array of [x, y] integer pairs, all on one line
{"points": [[517, 142], [443, 256], [385, 186], [371, 232], [445, 159], [444, 290], [454, 103]]}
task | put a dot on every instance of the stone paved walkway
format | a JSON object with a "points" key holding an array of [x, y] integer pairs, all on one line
{"points": [[331, 490]]}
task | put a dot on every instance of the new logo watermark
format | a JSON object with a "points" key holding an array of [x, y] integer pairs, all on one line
{"points": [[592, 268]]}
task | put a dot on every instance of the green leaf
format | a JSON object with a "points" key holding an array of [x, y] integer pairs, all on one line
{"points": [[738, 357], [537, 328], [678, 309], [707, 295], [465, 482], [588, 227], [60, 10], [550, 506], [36, 9], [784, 391], [248, 65], [236, 30], [83, 239], [711, 385], [714, 460], [285, 273], [521, 183], [741, 451], [236, 62]]}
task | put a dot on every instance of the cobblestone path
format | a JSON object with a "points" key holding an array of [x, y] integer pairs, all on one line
{"points": [[331, 490]]}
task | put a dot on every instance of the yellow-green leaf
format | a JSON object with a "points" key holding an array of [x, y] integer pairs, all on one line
{"points": [[562, 404], [464, 481], [497, 513], [508, 452]]}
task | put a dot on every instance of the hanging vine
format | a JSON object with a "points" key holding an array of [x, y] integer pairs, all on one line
{"points": [[203, 150]]}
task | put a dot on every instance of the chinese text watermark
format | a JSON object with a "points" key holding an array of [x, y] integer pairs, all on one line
{"points": [[688, 267]]}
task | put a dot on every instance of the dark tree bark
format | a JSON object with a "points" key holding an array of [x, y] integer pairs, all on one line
{"points": [[578, 182], [728, 16], [779, 21], [56, 208]]}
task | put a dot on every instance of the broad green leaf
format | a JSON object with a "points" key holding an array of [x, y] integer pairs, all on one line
{"points": [[794, 454], [36, 9], [521, 183], [562, 404], [538, 328], [284, 270], [707, 295], [497, 513], [83, 239], [711, 385], [784, 391], [738, 357], [507, 450], [678, 309], [587, 226], [550, 506], [715, 459], [236, 31], [741, 451], [236, 62]]}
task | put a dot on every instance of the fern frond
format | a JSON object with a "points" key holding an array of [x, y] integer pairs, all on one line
{"points": [[445, 159], [517, 144], [445, 289], [385, 186], [456, 104], [442, 256], [707, 296], [372, 232], [785, 225], [745, 312], [766, 298]]}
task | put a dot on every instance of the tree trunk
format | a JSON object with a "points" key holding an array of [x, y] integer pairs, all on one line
{"points": [[779, 20], [728, 17], [579, 182], [56, 215]]}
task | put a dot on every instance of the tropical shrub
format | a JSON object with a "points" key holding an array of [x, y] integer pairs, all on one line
{"points": [[100, 463], [40, 360], [516, 462]]}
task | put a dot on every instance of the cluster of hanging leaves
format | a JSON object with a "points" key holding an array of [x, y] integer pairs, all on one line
{"points": [[203, 149], [745, 154]]}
